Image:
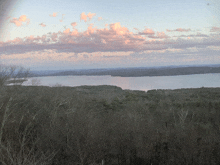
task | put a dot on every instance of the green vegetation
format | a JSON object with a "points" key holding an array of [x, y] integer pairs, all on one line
{"points": [[107, 125]]}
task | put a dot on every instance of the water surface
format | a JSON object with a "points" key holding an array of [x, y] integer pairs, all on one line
{"points": [[132, 83]]}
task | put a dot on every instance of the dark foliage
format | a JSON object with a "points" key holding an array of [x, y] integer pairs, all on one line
{"points": [[107, 125]]}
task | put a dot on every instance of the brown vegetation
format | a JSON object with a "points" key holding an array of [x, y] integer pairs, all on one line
{"points": [[107, 125]]}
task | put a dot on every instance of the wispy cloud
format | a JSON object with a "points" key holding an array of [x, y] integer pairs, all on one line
{"points": [[61, 20], [179, 30], [151, 34], [147, 31], [162, 35], [42, 24], [100, 18], [193, 35], [19, 21], [73, 24], [215, 29]]}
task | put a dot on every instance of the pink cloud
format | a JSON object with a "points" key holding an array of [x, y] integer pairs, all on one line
{"points": [[147, 32], [19, 21], [183, 30], [74, 33], [84, 17], [112, 38], [151, 34], [162, 35], [215, 29], [73, 24], [66, 31], [116, 27], [16, 22], [17, 41], [179, 30], [90, 29], [53, 15], [100, 18], [42, 24], [54, 37], [90, 15]]}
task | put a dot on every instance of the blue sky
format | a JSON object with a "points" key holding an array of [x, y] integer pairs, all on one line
{"points": [[118, 33], [159, 15]]}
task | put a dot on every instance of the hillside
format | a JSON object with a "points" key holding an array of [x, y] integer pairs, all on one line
{"points": [[93, 124]]}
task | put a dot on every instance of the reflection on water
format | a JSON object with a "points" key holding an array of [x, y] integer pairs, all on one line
{"points": [[133, 83]]}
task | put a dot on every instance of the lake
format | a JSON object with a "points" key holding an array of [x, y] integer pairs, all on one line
{"points": [[133, 83]]}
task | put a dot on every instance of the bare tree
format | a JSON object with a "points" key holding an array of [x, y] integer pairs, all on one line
{"points": [[24, 152], [35, 82], [12, 74], [22, 149]]}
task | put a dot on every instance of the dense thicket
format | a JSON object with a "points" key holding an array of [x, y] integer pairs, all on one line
{"points": [[107, 125]]}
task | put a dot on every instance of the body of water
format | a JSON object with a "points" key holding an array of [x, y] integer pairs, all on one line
{"points": [[132, 83]]}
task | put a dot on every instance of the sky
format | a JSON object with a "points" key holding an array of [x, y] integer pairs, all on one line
{"points": [[83, 34]]}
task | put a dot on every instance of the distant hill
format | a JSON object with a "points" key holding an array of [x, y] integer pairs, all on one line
{"points": [[132, 72]]}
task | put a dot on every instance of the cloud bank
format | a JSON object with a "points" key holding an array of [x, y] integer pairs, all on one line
{"points": [[112, 38]]}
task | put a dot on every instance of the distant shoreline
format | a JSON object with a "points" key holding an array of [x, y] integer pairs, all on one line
{"points": [[131, 72]]}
